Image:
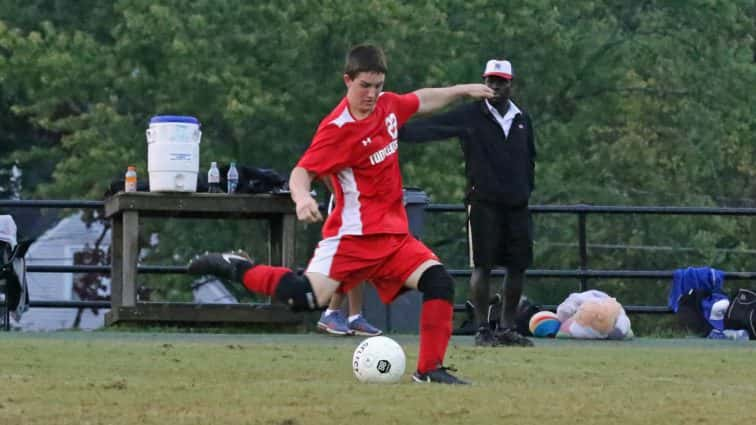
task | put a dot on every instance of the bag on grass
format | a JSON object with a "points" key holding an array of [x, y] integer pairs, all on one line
{"points": [[689, 313], [742, 312], [525, 310]]}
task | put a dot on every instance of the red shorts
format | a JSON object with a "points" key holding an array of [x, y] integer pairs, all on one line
{"points": [[386, 260]]}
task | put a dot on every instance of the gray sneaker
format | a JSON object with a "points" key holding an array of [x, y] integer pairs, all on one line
{"points": [[360, 326], [334, 324]]}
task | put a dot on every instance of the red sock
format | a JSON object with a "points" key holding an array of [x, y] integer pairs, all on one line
{"points": [[262, 279], [435, 332]]}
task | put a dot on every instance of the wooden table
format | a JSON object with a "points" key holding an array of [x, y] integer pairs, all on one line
{"points": [[125, 209]]}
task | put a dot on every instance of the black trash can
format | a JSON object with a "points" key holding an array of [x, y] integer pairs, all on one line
{"points": [[415, 201], [403, 315]]}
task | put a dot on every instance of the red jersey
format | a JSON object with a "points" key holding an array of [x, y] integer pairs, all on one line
{"points": [[362, 160]]}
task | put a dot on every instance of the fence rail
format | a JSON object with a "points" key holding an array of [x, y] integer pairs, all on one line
{"points": [[583, 273], [609, 209]]}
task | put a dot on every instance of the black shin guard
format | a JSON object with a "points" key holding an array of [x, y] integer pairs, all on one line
{"points": [[436, 283], [295, 291]]}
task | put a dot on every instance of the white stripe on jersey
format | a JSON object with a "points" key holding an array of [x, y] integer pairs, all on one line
{"points": [[351, 220], [331, 203], [323, 257], [344, 118]]}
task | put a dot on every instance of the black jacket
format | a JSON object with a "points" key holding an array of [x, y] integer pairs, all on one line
{"points": [[499, 169]]}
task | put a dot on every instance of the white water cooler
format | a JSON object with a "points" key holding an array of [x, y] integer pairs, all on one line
{"points": [[173, 153]]}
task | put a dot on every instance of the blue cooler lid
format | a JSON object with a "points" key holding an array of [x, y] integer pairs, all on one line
{"points": [[174, 118]]}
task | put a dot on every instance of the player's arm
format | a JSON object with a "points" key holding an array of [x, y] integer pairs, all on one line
{"points": [[433, 99], [300, 184], [437, 127]]}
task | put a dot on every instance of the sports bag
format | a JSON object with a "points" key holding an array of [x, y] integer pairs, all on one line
{"points": [[742, 312], [689, 314]]}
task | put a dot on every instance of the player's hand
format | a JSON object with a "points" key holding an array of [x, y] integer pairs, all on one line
{"points": [[477, 91], [308, 210]]}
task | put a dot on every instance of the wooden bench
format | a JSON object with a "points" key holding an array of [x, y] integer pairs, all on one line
{"points": [[125, 210]]}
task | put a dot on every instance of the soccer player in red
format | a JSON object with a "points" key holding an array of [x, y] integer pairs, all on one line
{"points": [[366, 236]]}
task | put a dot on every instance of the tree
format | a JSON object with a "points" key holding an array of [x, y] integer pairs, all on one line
{"points": [[634, 103]]}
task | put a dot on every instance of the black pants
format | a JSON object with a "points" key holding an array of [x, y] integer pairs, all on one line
{"points": [[500, 235]]}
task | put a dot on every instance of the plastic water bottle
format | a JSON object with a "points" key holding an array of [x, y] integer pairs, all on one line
{"points": [[732, 334], [213, 178], [736, 334], [130, 180], [232, 178]]}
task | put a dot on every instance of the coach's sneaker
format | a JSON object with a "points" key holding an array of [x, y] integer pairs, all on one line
{"points": [[440, 375], [484, 337], [228, 265], [360, 326], [334, 324], [510, 337]]}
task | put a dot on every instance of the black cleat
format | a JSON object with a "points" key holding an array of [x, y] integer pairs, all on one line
{"points": [[512, 338], [438, 376], [484, 337], [228, 265]]}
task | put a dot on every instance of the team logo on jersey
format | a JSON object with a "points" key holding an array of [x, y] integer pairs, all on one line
{"points": [[392, 126], [366, 141], [381, 155]]}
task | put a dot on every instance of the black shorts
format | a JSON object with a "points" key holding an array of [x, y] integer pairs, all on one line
{"points": [[500, 236]]}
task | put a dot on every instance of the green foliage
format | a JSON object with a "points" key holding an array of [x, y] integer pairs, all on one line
{"points": [[634, 103]]}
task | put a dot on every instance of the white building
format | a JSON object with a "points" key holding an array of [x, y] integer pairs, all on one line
{"points": [[57, 247]]}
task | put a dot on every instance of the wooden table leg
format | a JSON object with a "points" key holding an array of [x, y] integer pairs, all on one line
{"points": [[287, 240], [281, 237], [130, 252], [116, 263]]}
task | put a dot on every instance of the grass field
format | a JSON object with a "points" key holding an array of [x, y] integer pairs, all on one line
{"points": [[158, 378]]}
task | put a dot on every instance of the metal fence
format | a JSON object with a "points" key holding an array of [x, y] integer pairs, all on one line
{"points": [[583, 274]]}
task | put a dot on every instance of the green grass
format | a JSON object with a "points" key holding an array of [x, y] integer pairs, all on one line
{"points": [[160, 378]]}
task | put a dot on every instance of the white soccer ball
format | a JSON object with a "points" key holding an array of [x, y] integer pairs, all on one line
{"points": [[379, 359]]}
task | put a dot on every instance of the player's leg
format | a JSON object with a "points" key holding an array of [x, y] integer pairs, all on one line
{"points": [[355, 297], [517, 254], [437, 287], [479, 293], [483, 231], [332, 321], [358, 324], [400, 263], [301, 292], [513, 287]]}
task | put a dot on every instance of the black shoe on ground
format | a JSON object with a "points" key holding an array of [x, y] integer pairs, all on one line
{"points": [[484, 337], [511, 337], [440, 375], [228, 265]]}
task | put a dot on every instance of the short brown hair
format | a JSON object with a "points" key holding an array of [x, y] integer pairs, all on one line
{"points": [[365, 58]]}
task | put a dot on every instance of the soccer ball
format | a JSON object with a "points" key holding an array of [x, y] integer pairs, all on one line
{"points": [[378, 359]]}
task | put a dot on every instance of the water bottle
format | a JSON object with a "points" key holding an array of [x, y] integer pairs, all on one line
{"points": [[232, 178], [736, 334], [213, 179], [733, 334], [130, 180]]}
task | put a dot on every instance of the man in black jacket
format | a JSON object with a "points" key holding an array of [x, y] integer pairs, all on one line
{"points": [[499, 149]]}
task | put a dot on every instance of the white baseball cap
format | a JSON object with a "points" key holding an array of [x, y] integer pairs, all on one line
{"points": [[499, 68]]}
